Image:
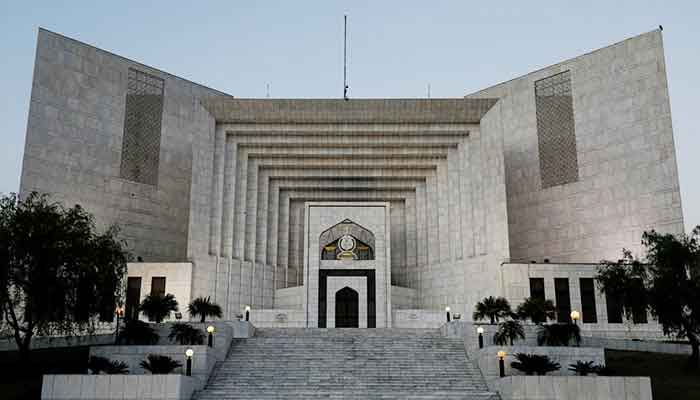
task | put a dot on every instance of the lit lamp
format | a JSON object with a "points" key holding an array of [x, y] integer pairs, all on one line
{"points": [[247, 313], [501, 363], [210, 331], [447, 311], [575, 316], [119, 312], [189, 353], [480, 331]]}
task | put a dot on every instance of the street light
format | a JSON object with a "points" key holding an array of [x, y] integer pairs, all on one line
{"points": [[189, 353], [480, 331], [501, 363], [447, 311], [575, 316], [119, 312], [210, 331], [247, 313]]}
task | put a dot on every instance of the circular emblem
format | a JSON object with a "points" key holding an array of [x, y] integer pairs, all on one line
{"points": [[347, 243]]}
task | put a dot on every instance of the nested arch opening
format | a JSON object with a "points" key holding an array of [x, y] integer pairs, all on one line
{"points": [[347, 241]]}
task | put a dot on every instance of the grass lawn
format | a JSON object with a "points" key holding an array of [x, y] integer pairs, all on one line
{"points": [[669, 379], [24, 382]]}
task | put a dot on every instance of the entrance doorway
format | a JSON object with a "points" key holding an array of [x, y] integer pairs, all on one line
{"points": [[347, 303]]}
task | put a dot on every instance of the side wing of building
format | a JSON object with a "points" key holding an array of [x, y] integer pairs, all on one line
{"points": [[119, 138], [589, 154]]}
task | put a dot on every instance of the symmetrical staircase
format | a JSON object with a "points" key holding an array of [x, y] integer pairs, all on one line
{"points": [[346, 364]]}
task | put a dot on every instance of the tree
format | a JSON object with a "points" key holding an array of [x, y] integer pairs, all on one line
{"points": [[493, 308], [57, 274], [536, 310], [558, 334], [204, 307], [669, 284], [508, 331], [157, 307]]}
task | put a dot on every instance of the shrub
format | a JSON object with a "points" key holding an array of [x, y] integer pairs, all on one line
{"points": [[536, 310], [99, 365], [508, 331], [493, 308], [186, 334], [204, 307], [137, 332], [583, 368], [159, 364], [157, 307], [558, 334], [602, 370], [532, 364]]}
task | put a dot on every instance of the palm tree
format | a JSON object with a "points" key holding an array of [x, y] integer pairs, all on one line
{"points": [[186, 334], [536, 309], [494, 308], [157, 364], [157, 307], [508, 331], [204, 307]]}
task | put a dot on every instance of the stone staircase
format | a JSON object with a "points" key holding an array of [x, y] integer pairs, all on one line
{"points": [[346, 364]]}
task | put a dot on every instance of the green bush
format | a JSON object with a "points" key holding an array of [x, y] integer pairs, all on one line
{"points": [[532, 364], [97, 365], [583, 368], [138, 333], [558, 334], [186, 334], [159, 364], [508, 331], [204, 307]]}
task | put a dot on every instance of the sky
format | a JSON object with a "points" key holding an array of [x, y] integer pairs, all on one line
{"points": [[395, 49]]}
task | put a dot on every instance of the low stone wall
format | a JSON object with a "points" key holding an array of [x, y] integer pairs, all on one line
{"points": [[419, 319], [652, 346], [278, 318], [573, 388], [47, 342], [222, 336], [113, 387], [487, 359], [202, 362]]}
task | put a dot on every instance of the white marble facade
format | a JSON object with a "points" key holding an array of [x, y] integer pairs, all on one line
{"points": [[459, 180]]}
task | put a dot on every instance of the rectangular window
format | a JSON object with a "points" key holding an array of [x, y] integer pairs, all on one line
{"points": [[158, 286], [133, 297], [537, 288], [556, 136], [143, 118], [614, 308], [588, 311], [561, 293]]}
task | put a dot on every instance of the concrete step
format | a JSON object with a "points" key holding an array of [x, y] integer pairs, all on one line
{"points": [[346, 364]]}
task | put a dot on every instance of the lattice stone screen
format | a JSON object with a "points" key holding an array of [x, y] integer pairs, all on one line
{"points": [[142, 126], [555, 130]]}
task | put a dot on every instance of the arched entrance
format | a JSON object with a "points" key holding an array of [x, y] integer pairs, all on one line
{"points": [[347, 313]]}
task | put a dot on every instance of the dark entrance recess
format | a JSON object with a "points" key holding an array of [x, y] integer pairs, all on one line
{"points": [[133, 297], [371, 295], [347, 304]]}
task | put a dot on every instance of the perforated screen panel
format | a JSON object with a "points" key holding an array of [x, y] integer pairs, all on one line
{"points": [[142, 128], [555, 130]]}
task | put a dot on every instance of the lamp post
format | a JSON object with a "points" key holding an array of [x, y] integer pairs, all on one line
{"points": [[247, 313], [189, 353], [210, 331], [480, 331], [119, 312], [575, 316], [447, 311], [501, 363]]}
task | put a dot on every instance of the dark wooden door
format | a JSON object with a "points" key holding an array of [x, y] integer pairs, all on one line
{"points": [[347, 307]]}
